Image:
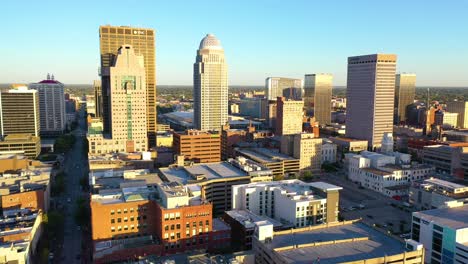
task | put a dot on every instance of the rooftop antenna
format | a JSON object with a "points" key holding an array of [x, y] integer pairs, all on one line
{"points": [[48, 76], [53, 77]]}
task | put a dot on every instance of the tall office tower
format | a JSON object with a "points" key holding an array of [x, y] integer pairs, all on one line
{"points": [[404, 94], [289, 115], [127, 101], [283, 87], [51, 106], [460, 107], [210, 85], [97, 97], [318, 96], [19, 112], [370, 97], [142, 40]]}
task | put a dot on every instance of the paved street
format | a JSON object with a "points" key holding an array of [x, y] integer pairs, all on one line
{"points": [[75, 167]]}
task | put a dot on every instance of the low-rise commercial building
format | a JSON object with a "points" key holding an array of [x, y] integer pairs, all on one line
{"points": [[280, 164], [340, 242], [345, 145], [27, 187], [436, 193], [137, 216], [232, 138], [23, 144], [329, 152], [291, 202], [20, 230], [443, 232], [243, 223], [198, 146], [390, 174], [123, 223], [449, 159], [214, 180]]}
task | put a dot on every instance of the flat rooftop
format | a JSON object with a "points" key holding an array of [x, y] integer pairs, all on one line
{"points": [[248, 219], [220, 225], [378, 245], [210, 171], [348, 139], [123, 195], [447, 184], [264, 155], [377, 171], [455, 218]]}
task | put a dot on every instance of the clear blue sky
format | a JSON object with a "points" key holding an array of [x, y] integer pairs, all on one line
{"points": [[260, 38]]}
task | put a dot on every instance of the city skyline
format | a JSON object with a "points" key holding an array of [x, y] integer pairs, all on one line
{"points": [[410, 35]]}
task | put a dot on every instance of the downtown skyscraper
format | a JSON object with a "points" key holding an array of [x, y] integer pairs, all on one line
{"points": [[370, 97], [283, 87], [210, 85], [405, 88], [127, 106], [111, 38], [318, 95]]}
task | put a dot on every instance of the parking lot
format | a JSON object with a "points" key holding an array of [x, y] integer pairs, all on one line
{"points": [[372, 207]]}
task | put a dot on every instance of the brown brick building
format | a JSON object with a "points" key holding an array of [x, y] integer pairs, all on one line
{"points": [[122, 220], [198, 146], [140, 220], [184, 228], [31, 200]]}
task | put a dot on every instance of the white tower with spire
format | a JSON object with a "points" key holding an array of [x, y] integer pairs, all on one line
{"points": [[210, 83]]}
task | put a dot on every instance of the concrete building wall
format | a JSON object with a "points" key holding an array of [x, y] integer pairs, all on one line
{"points": [[308, 150], [128, 100], [329, 151], [19, 112], [23, 144], [370, 97], [289, 115]]}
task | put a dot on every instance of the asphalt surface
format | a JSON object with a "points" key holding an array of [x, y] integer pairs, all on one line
{"points": [[378, 210], [75, 167]]}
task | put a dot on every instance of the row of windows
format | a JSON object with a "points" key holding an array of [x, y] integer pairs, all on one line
{"points": [[177, 235], [125, 210], [172, 216], [126, 219], [126, 228], [187, 224]]}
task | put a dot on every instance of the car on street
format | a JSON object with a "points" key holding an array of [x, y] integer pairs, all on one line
{"points": [[69, 199]]}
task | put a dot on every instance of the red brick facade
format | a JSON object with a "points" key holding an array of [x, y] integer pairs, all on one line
{"points": [[30, 200]]}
